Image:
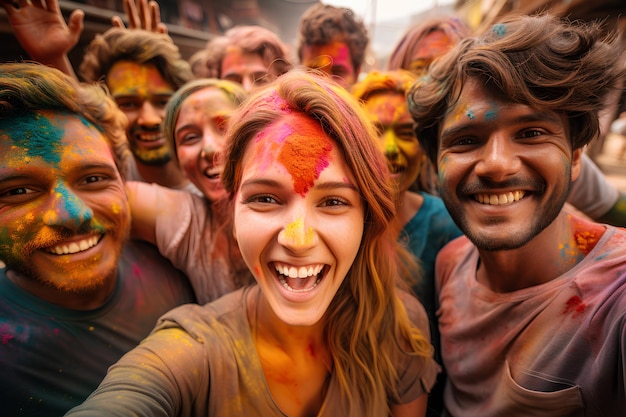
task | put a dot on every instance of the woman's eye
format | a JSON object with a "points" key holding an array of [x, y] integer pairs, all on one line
{"points": [[221, 124], [262, 199], [334, 202], [188, 139]]}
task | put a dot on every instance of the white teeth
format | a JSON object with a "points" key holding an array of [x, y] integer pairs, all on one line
{"points": [[149, 137], [301, 272], [74, 247], [499, 199]]}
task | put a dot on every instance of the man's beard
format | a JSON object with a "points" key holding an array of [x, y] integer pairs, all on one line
{"points": [[544, 216], [154, 157]]}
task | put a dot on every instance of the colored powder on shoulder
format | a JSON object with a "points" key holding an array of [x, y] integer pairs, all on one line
{"points": [[586, 240]]}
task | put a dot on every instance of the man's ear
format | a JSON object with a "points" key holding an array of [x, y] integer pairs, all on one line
{"points": [[577, 162]]}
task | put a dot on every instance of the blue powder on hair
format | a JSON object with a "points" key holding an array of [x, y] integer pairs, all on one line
{"points": [[499, 29], [36, 134]]}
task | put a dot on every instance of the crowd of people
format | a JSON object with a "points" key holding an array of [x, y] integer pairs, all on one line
{"points": [[266, 230]]}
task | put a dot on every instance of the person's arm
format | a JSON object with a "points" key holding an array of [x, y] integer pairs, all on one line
{"points": [[416, 408], [161, 377], [143, 200], [41, 30], [151, 204]]}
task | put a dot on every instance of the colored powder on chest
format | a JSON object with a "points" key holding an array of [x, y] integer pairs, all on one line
{"points": [[574, 304], [304, 155]]}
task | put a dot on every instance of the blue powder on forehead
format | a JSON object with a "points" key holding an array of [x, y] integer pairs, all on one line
{"points": [[492, 114], [499, 29], [36, 134], [39, 134]]}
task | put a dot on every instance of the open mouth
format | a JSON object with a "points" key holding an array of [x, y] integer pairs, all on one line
{"points": [[149, 140], [213, 173], [396, 169], [75, 247], [500, 199], [300, 279], [149, 137]]}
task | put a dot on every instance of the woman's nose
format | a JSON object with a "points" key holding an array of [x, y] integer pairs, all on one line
{"points": [[297, 237]]}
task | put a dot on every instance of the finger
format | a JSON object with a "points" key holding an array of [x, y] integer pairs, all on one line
{"points": [[144, 15], [21, 3], [117, 22], [155, 13], [76, 23], [8, 7], [11, 7], [131, 13], [54, 5], [162, 28]]}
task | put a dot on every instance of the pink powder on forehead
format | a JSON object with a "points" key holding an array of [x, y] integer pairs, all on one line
{"points": [[304, 154]]}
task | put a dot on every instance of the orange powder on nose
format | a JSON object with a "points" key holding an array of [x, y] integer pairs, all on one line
{"points": [[304, 153]]}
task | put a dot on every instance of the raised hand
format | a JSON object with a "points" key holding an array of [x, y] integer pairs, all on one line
{"points": [[146, 15], [41, 30]]}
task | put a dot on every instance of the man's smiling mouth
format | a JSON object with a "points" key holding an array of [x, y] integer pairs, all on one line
{"points": [[75, 247], [500, 199]]}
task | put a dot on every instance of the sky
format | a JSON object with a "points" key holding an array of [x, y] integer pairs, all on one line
{"points": [[384, 10], [391, 18]]}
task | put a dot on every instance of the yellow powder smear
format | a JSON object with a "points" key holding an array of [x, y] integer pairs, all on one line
{"points": [[296, 233]]}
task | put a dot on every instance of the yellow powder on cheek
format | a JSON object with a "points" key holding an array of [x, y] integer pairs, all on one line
{"points": [[50, 216], [115, 208]]}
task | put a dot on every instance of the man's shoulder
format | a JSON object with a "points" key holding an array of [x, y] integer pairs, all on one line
{"points": [[457, 247], [612, 244]]}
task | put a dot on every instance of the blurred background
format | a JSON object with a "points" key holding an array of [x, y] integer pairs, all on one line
{"points": [[191, 23]]}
